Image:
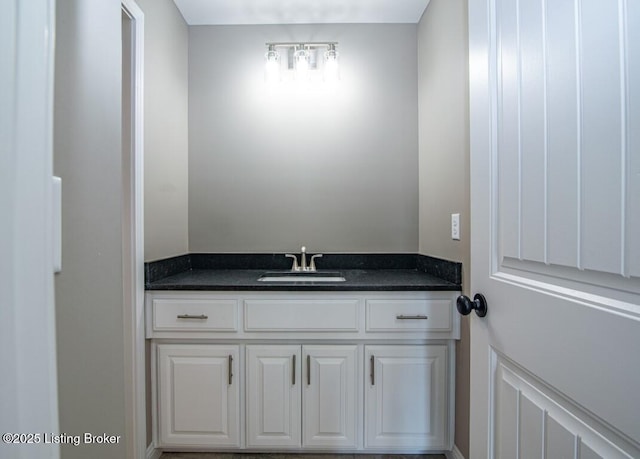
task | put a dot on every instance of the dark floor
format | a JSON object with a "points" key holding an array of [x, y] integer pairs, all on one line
{"points": [[294, 455]]}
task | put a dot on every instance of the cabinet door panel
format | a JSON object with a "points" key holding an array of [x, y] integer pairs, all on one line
{"points": [[273, 396], [198, 401], [330, 396], [405, 398]]}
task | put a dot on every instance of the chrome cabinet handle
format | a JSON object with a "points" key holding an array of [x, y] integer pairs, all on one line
{"points": [[308, 370], [230, 370], [293, 371], [418, 317], [372, 374], [192, 316]]}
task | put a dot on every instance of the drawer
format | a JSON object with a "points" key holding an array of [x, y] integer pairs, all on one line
{"points": [[198, 315], [301, 315], [409, 315]]}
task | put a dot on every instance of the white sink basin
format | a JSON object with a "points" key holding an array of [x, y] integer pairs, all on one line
{"points": [[302, 277]]}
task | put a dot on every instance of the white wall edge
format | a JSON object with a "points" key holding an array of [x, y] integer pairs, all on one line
{"points": [[153, 453], [133, 250], [454, 453]]}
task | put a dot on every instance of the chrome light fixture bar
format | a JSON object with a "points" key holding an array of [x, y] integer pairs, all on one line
{"points": [[301, 60]]}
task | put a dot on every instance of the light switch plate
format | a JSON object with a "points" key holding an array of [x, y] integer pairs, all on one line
{"points": [[455, 227]]}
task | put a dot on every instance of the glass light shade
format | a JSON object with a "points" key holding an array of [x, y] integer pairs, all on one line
{"points": [[331, 67], [272, 66], [301, 60]]}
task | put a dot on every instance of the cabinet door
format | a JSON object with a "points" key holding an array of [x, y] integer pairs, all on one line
{"points": [[199, 402], [273, 396], [330, 396], [406, 397]]}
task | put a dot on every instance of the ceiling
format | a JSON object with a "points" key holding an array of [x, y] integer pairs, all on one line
{"points": [[228, 12]]}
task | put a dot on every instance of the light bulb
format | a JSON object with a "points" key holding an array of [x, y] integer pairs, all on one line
{"points": [[272, 66], [331, 67], [301, 59]]}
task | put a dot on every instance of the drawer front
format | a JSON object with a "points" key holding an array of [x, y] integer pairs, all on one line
{"points": [[409, 315], [197, 315], [301, 315]]}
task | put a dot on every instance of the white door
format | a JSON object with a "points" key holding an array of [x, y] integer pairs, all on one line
{"points": [[199, 399], [406, 397], [329, 395], [273, 396], [555, 199]]}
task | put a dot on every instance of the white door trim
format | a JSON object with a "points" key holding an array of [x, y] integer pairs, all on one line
{"points": [[28, 387], [133, 250], [481, 137]]}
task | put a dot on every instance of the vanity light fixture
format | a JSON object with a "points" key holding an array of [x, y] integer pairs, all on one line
{"points": [[300, 53]]}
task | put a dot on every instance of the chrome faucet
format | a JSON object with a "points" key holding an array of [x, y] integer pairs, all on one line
{"points": [[303, 261]]}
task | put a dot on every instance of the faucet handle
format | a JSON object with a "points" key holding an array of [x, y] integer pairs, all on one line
{"points": [[295, 266], [312, 266]]}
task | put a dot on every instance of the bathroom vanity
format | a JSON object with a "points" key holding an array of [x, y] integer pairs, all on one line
{"points": [[364, 365]]}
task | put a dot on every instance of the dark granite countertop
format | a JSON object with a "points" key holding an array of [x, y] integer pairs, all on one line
{"points": [[356, 279], [370, 272]]}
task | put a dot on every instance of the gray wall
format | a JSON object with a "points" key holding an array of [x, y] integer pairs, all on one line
{"points": [[444, 160], [87, 155], [166, 135], [270, 171]]}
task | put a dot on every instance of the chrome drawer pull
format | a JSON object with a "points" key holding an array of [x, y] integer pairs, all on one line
{"points": [[419, 317], [191, 316], [293, 371], [372, 370]]}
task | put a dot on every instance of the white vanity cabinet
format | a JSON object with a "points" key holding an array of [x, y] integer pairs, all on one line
{"points": [[405, 398], [273, 396], [303, 371], [329, 401], [302, 396], [198, 395]]}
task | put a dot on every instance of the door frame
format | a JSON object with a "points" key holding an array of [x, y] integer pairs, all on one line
{"points": [[482, 137], [29, 386], [133, 245]]}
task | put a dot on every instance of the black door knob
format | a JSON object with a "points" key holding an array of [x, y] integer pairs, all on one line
{"points": [[465, 305]]}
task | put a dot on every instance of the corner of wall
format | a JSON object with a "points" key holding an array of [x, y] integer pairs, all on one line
{"points": [[443, 139], [166, 164]]}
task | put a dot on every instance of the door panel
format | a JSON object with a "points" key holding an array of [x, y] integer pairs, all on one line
{"points": [[330, 403], [532, 418], [199, 399], [554, 99], [273, 396], [405, 397], [565, 107]]}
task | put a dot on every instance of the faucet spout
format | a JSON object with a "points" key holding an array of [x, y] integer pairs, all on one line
{"points": [[303, 259]]}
